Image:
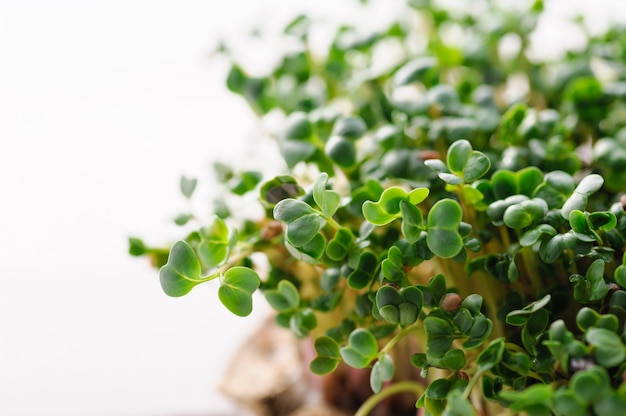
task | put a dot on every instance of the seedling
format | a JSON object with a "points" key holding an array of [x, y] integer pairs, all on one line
{"points": [[472, 234]]}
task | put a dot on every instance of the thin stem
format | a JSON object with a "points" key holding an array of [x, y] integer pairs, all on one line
{"points": [[392, 342], [209, 277], [531, 270], [504, 236], [400, 387], [471, 384], [333, 223]]}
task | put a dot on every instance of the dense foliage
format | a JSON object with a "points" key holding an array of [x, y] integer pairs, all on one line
{"points": [[462, 211]]}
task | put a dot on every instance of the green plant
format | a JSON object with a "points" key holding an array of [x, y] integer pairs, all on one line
{"points": [[443, 222]]}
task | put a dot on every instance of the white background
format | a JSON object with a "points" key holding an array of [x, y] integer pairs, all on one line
{"points": [[103, 105]]}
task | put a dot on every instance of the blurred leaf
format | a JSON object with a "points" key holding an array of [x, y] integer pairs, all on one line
{"points": [[362, 348], [187, 186], [382, 371]]}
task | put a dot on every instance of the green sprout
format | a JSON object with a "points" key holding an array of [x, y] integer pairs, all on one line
{"points": [[427, 227]]}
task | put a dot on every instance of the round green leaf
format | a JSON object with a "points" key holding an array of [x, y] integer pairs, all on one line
{"points": [[578, 200], [465, 162], [391, 198], [472, 195], [473, 303], [237, 286], [491, 355], [440, 336], [586, 318], [412, 295], [236, 79], [443, 172], [419, 360], [350, 128], [412, 219], [289, 210], [216, 241], [414, 70], [327, 347], [537, 322], [341, 151], [387, 208], [382, 371], [330, 278], [363, 341], [364, 274], [362, 348], [481, 328], [525, 213], [323, 365], [392, 267], [533, 235], [302, 322], [456, 405], [597, 286], [552, 248], [418, 195], [609, 350], [374, 213], [296, 151], [567, 403], [298, 127], [578, 221], [516, 361], [610, 404], [620, 276], [303, 229], [182, 270], [603, 220], [387, 295], [535, 400], [476, 167], [285, 297], [313, 249], [459, 154], [438, 389], [187, 186], [453, 359], [443, 222], [528, 179], [390, 313], [464, 320], [408, 313], [327, 200], [341, 243], [520, 317], [504, 183], [588, 385], [555, 189]]}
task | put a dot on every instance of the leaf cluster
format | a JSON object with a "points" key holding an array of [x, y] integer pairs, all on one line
{"points": [[443, 218]]}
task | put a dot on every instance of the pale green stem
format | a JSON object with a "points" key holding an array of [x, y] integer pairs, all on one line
{"points": [[400, 387], [531, 270], [333, 223], [471, 384], [209, 277], [392, 342]]}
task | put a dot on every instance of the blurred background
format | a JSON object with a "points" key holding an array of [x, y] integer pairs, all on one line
{"points": [[104, 104]]}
